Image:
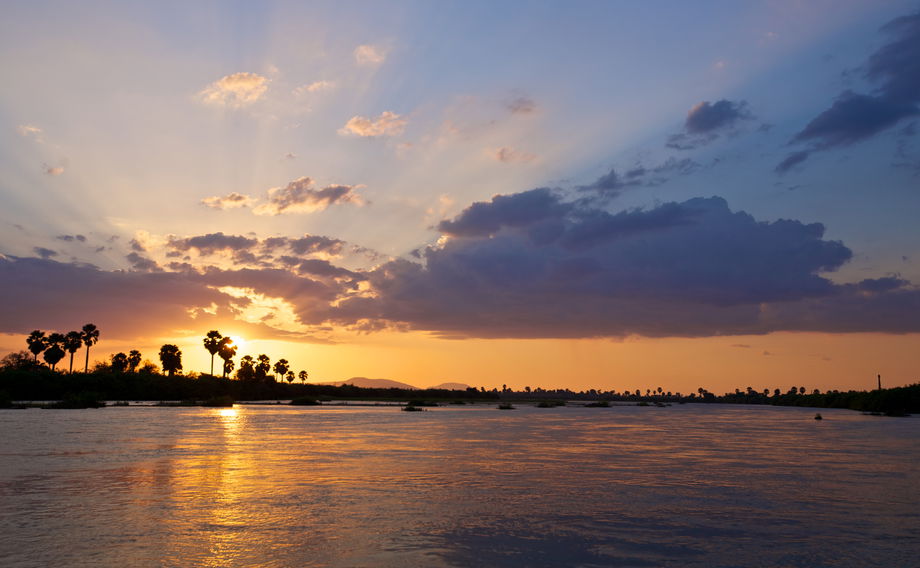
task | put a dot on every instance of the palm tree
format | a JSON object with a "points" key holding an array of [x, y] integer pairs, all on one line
{"points": [[134, 359], [37, 344], [227, 351], [119, 362], [54, 352], [212, 344], [281, 367], [289, 376], [302, 376], [171, 358], [263, 367], [228, 366], [72, 343], [247, 370], [89, 335]]}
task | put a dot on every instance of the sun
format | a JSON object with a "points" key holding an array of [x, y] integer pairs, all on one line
{"points": [[238, 341]]}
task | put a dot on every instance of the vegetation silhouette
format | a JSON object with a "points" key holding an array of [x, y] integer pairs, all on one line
{"points": [[134, 359], [212, 343], [124, 377], [227, 351], [36, 343], [281, 367], [89, 335], [54, 351], [73, 341], [171, 358]]}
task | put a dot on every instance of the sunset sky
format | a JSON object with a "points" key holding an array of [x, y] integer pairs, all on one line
{"points": [[559, 194]]}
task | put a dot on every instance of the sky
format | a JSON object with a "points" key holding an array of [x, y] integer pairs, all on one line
{"points": [[611, 195]]}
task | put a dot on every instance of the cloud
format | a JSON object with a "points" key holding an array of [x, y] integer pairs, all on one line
{"points": [[299, 197], [533, 265], [791, 160], [706, 117], [53, 170], [369, 55], [387, 124], [230, 201], [44, 252], [71, 238], [236, 90], [525, 209], [521, 105], [28, 130], [706, 121], [507, 155], [212, 243], [67, 295], [855, 117], [613, 183], [142, 264], [315, 87]]}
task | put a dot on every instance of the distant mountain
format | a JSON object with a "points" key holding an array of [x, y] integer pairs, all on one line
{"points": [[366, 383], [451, 386]]}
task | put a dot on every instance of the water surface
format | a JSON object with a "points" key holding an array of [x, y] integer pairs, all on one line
{"points": [[690, 485]]}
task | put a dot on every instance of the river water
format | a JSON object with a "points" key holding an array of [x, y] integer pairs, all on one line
{"points": [[688, 485]]}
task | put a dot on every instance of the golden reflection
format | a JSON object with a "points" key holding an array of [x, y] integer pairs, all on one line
{"points": [[228, 413]]}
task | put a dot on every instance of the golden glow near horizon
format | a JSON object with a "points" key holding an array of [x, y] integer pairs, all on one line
{"points": [[720, 364]]}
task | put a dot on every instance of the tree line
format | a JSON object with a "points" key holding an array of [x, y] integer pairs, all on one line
{"points": [[54, 346]]}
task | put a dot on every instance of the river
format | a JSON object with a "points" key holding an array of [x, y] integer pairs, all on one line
{"points": [[277, 486]]}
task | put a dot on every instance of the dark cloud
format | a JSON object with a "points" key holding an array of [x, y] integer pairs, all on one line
{"points": [[613, 183], [136, 246], [71, 238], [532, 265], [323, 269], [213, 242], [521, 105], [142, 264], [792, 160], [516, 210], [316, 244], [707, 121], [708, 117], [67, 295], [44, 252], [896, 65], [854, 117]]}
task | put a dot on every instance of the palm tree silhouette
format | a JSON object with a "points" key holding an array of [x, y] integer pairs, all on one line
{"points": [[281, 367], [119, 362], [289, 376], [37, 344], [263, 367], [73, 341], [302, 376], [171, 358], [54, 352], [134, 359], [247, 370], [212, 344], [89, 335], [227, 351]]}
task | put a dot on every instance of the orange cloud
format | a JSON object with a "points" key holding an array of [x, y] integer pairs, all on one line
{"points": [[235, 90], [387, 124], [369, 55]]}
